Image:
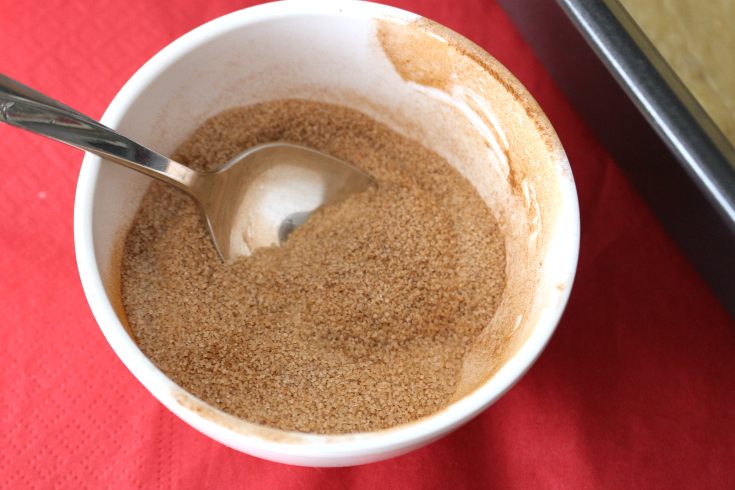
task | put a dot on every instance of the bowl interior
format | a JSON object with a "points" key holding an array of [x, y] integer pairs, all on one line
{"points": [[420, 79]]}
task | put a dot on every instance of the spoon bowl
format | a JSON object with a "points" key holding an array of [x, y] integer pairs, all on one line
{"points": [[259, 197], [254, 200]]}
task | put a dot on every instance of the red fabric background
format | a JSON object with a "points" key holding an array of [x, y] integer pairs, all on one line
{"points": [[635, 390]]}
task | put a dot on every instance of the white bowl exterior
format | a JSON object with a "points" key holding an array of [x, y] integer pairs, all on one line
{"points": [[252, 56]]}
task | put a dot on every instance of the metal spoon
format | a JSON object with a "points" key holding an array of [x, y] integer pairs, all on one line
{"points": [[254, 200]]}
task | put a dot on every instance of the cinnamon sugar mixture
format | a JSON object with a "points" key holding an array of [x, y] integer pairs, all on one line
{"points": [[358, 322]]}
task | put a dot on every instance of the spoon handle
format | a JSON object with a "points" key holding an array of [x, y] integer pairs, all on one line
{"points": [[27, 109]]}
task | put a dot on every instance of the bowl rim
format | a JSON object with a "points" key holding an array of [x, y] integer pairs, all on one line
{"points": [[266, 439]]}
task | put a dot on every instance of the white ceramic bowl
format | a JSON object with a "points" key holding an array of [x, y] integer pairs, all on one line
{"points": [[419, 78]]}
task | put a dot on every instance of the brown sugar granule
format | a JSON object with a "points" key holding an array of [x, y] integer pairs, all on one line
{"points": [[359, 322]]}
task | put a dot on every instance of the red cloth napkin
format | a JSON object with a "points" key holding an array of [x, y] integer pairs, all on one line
{"points": [[635, 390]]}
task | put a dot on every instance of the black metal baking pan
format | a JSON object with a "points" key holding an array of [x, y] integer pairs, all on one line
{"points": [[651, 125]]}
